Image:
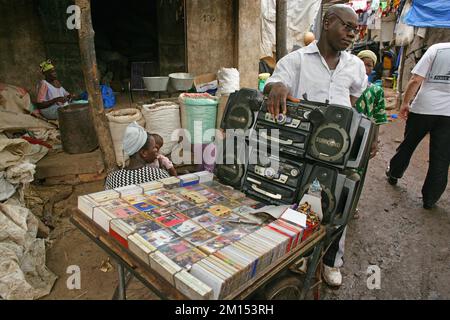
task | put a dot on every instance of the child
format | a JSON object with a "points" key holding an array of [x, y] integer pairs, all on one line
{"points": [[162, 161]]}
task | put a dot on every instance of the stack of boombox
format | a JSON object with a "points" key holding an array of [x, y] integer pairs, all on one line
{"points": [[276, 160]]}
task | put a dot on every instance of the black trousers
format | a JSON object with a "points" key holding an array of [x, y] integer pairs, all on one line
{"points": [[417, 127]]}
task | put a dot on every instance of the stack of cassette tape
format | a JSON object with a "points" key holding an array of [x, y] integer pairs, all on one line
{"points": [[206, 239], [285, 154]]}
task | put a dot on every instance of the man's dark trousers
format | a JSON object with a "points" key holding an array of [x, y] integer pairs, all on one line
{"points": [[417, 127]]}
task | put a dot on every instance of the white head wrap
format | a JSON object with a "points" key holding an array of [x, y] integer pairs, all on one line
{"points": [[134, 138], [368, 54]]}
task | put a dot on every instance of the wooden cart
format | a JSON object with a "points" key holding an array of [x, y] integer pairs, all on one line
{"points": [[130, 265]]}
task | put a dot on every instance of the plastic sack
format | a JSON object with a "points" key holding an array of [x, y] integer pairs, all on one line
{"points": [[109, 100], [118, 122], [163, 118], [404, 34], [108, 97], [229, 81], [200, 108]]}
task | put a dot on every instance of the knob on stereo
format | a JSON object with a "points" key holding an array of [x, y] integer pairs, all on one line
{"points": [[270, 173], [281, 118], [306, 115]]}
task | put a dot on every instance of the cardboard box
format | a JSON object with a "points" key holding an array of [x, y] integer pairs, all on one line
{"points": [[205, 82]]}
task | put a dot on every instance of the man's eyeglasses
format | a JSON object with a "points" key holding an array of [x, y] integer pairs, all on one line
{"points": [[348, 26]]}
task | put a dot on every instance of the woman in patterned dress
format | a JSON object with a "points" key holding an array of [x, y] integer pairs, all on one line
{"points": [[371, 102]]}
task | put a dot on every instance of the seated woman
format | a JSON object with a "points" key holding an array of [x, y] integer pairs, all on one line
{"points": [[372, 103], [51, 94], [140, 146]]}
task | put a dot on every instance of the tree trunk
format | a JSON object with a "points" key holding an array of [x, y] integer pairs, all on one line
{"points": [[89, 66], [281, 29]]}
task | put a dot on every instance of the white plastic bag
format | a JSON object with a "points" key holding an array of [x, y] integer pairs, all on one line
{"points": [[404, 34], [229, 81]]}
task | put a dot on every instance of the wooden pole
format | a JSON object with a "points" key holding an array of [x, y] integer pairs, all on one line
{"points": [[400, 78], [89, 66], [281, 29]]}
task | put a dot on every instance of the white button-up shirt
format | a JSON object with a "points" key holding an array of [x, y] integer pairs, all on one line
{"points": [[305, 71]]}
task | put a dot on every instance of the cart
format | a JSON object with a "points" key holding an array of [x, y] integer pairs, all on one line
{"points": [[131, 266]]}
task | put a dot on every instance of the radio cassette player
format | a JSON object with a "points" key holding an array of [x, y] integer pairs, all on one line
{"points": [[274, 180], [281, 171], [293, 130], [332, 134], [296, 117]]}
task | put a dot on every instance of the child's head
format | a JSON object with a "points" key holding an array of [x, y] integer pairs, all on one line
{"points": [[158, 140]]}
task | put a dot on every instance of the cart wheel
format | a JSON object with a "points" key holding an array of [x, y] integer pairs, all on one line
{"points": [[284, 288]]}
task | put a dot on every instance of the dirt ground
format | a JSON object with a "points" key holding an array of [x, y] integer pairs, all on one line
{"points": [[410, 245]]}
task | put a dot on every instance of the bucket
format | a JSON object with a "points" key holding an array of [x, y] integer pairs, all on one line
{"points": [[156, 84], [77, 129]]}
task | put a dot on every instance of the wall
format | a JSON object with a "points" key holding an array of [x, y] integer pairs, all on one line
{"points": [[210, 35], [224, 33], [171, 37], [61, 44], [249, 39], [21, 43]]}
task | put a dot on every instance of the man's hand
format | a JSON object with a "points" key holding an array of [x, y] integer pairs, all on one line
{"points": [[277, 99], [411, 90], [404, 110]]}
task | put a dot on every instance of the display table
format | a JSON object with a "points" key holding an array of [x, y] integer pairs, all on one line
{"points": [[153, 281]]}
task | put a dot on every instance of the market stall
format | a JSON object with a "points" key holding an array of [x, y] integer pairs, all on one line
{"points": [[208, 222]]}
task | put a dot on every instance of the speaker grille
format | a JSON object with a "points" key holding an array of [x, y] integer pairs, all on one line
{"points": [[330, 143], [239, 117]]}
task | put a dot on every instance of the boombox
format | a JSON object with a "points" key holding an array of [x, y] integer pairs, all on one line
{"points": [[242, 109], [332, 134], [311, 141]]}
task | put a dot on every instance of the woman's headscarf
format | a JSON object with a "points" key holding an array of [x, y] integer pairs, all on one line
{"points": [[134, 139], [368, 54], [46, 66]]}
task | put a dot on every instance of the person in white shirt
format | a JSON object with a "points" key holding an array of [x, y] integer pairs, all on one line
{"points": [[428, 112], [319, 72]]}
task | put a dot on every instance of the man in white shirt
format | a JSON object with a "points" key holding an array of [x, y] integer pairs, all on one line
{"points": [[319, 72], [429, 112]]}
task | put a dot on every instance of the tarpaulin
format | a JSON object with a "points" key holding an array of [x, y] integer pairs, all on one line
{"points": [[426, 13], [23, 273]]}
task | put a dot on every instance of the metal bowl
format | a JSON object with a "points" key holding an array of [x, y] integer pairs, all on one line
{"points": [[156, 83], [181, 81]]}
